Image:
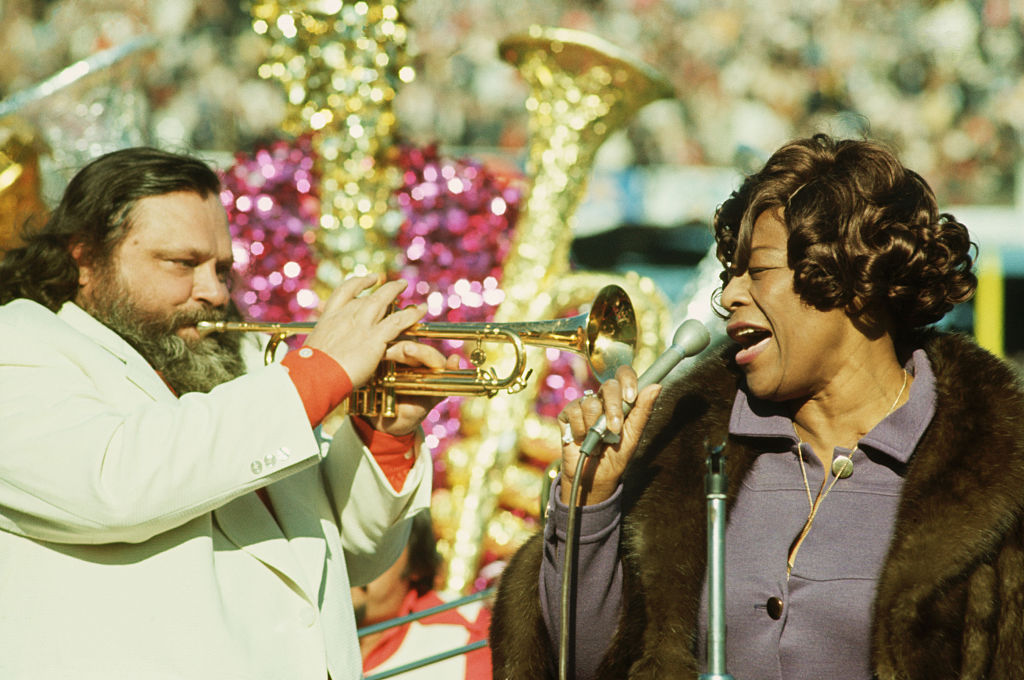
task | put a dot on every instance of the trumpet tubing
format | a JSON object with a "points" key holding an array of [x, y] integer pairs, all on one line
{"points": [[606, 336]]}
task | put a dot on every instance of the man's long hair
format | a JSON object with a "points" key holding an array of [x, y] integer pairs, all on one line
{"points": [[95, 213]]}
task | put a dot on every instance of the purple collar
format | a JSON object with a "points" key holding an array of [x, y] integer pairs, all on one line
{"points": [[896, 435]]}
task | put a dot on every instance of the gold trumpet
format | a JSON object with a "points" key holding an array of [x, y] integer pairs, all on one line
{"points": [[606, 336]]}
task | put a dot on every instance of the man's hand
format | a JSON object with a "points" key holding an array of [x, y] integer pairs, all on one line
{"points": [[410, 411], [356, 331]]}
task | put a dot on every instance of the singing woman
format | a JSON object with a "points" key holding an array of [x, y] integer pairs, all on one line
{"points": [[875, 464]]}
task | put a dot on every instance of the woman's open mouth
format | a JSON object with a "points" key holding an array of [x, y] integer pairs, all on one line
{"points": [[751, 339]]}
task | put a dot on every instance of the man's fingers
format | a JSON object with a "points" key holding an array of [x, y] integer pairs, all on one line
{"points": [[403, 318], [351, 288], [342, 299], [389, 291], [416, 354], [377, 305], [403, 352], [374, 305]]}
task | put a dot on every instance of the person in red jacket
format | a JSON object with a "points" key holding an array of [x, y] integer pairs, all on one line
{"points": [[408, 587]]}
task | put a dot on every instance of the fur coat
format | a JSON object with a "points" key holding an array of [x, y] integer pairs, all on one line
{"points": [[950, 599]]}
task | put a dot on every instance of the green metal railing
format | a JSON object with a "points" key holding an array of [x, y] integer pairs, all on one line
{"points": [[434, 658]]}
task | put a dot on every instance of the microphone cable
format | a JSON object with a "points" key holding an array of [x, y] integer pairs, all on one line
{"points": [[690, 338]]}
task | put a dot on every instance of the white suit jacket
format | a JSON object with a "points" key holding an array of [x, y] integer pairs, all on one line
{"points": [[132, 544]]}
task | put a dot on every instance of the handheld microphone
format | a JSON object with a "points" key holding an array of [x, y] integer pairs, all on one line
{"points": [[690, 338]]}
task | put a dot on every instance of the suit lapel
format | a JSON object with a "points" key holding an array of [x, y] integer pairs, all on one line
{"points": [[136, 369]]}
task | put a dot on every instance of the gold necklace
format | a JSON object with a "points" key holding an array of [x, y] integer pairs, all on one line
{"points": [[842, 467]]}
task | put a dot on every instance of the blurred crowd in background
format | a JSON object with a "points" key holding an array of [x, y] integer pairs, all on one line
{"points": [[940, 79]]}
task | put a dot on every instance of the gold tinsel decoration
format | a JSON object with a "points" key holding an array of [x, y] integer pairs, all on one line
{"points": [[581, 90], [340, 64]]}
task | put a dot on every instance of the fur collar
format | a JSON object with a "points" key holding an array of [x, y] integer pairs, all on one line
{"points": [[964, 489], [949, 597]]}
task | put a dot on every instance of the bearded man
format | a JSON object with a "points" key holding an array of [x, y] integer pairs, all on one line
{"points": [[167, 507]]}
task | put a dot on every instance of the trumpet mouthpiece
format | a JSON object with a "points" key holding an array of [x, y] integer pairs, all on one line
{"points": [[207, 327]]}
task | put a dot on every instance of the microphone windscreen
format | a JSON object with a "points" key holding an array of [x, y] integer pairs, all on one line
{"points": [[692, 336]]}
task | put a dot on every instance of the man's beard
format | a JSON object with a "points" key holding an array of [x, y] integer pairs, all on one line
{"points": [[196, 366]]}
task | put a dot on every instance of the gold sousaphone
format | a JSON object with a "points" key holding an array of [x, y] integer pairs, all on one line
{"points": [[606, 336]]}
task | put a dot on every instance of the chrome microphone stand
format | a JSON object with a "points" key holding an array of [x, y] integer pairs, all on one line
{"points": [[715, 485]]}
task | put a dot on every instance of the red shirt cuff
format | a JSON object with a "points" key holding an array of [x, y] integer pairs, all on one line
{"points": [[392, 453], [321, 382]]}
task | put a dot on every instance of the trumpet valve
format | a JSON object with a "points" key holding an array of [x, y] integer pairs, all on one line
{"points": [[478, 357]]}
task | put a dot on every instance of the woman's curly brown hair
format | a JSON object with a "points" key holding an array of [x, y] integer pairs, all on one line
{"points": [[865, 233]]}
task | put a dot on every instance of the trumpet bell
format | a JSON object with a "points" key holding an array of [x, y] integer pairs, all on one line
{"points": [[611, 332], [606, 335]]}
